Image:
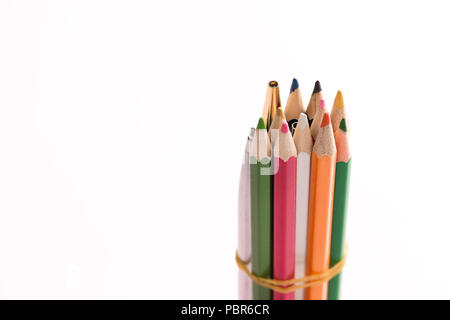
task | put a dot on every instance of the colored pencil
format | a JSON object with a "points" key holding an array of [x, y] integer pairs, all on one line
{"points": [[303, 143], [315, 125], [261, 209], [323, 163], [337, 111], [294, 105], [271, 103], [341, 188], [293, 194], [313, 104], [284, 196], [244, 240]]}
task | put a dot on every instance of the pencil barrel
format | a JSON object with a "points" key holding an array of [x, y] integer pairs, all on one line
{"points": [[261, 232], [338, 226], [244, 222], [319, 222], [284, 224], [301, 219]]}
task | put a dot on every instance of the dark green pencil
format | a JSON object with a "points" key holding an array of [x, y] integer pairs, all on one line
{"points": [[341, 188], [261, 209]]}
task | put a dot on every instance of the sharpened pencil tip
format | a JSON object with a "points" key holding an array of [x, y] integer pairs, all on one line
{"points": [[284, 127], [261, 124], [273, 84], [303, 121], [294, 85], [322, 104], [339, 100], [325, 120], [343, 125], [317, 87], [280, 113]]}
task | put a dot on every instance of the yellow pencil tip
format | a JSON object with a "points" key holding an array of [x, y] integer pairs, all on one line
{"points": [[339, 100]]}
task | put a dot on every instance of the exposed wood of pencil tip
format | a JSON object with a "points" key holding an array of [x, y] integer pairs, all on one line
{"points": [[325, 144], [276, 101], [268, 112], [313, 104], [315, 125], [342, 145], [260, 145], [277, 121], [338, 110], [294, 103], [302, 136], [284, 145]]}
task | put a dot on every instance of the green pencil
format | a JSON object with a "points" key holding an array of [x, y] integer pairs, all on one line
{"points": [[261, 209], [341, 187]]}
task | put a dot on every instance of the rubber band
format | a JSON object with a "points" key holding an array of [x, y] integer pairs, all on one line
{"points": [[285, 286]]}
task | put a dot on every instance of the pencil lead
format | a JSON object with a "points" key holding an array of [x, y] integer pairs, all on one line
{"points": [[261, 124], [317, 87], [339, 100], [325, 120], [294, 85], [322, 104], [343, 125], [273, 84], [303, 121], [284, 127]]}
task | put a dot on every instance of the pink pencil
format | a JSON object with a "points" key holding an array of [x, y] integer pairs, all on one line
{"points": [[284, 190], [244, 237]]}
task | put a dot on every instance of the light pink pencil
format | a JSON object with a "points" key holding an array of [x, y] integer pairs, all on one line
{"points": [[244, 242], [284, 197]]}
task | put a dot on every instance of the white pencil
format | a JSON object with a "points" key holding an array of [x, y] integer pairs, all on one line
{"points": [[244, 234], [303, 142]]}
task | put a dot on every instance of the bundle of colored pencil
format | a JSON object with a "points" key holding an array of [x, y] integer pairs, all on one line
{"points": [[293, 196]]}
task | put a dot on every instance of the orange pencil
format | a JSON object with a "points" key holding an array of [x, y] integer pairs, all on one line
{"points": [[321, 190]]}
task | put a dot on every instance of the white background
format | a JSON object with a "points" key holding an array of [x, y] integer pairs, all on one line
{"points": [[122, 127]]}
